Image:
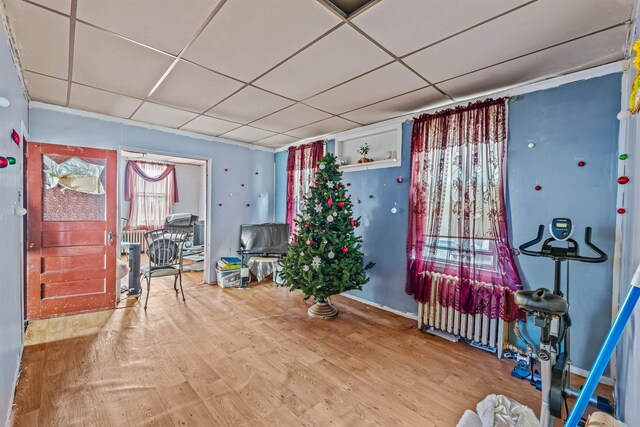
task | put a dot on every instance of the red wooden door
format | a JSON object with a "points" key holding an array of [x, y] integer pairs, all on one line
{"points": [[71, 241]]}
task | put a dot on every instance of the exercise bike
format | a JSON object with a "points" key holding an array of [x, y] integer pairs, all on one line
{"points": [[551, 313]]}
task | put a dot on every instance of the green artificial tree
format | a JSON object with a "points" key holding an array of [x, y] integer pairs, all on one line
{"points": [[325, 256]]}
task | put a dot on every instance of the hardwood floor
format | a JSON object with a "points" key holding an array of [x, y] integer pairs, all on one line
{"points": [[229, 357]]}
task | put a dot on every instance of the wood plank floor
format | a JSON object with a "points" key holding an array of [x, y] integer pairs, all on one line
{"points": [[231, 357]]}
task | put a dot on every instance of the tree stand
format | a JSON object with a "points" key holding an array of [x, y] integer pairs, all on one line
{"points": [[322, 310]]}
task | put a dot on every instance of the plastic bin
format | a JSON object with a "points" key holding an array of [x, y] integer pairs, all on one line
{"points": [[228, 278]]}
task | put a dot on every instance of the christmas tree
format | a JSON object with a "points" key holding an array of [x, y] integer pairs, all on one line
{"points": [[325, 256]]}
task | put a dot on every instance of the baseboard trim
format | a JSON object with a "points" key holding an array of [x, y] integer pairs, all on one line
{"points": [[13, 390], [382, 307], [584, 373]]}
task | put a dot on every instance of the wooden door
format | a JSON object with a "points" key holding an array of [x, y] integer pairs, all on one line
{"points": [[71, 235]]}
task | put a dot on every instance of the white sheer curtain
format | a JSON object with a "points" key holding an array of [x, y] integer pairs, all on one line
{"points": [[151, 201]]}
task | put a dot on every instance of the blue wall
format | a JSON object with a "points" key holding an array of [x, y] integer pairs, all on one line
{"points": [[56, 127], [573, 122], [281, 186], [11, 304], [570, 123]]}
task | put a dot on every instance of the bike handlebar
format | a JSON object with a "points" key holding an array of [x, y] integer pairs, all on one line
{"points": [[602, 257]]}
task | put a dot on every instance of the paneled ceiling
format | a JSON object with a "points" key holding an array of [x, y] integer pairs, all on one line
{"points": [[272, 72]]}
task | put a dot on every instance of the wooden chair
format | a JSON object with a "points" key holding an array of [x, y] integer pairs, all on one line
{"points": [[164, 248]]}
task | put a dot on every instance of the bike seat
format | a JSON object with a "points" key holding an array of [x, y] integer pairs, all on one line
{"points": [[541, 300]]}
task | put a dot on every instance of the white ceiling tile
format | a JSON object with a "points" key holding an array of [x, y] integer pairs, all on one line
{"points": [[580, 54], [42, 38], [194, 88], [290, 118], [404, 104], [247, 38], [110, 62], [403, 26], [323, 127], [341, 55], [277, 141], [167, 25], [249, 104], [247, 134], [46, 89], [210, 126], [100, 101], [62, 6], [163, 116], [537, 26], [386, 82]]}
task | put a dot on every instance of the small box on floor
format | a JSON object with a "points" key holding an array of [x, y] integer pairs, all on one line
{"points": [[228, 278]]}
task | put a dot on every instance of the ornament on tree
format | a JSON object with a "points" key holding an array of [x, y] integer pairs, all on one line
{"points": [[321, 166], [306, 266]]}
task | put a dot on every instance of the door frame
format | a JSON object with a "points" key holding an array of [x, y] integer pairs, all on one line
{"points": [[208, 198]]}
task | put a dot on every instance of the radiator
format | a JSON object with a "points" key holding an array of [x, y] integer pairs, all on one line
{"points": [[478, 330], [134, 236]]}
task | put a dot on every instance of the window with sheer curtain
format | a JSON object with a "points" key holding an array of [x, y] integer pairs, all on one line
{"points": [[302, 166], [151, 189]]}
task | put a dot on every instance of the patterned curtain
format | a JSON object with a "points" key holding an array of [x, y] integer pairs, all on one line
{"points": [[457, 222], [151, 189], [302, 166]]}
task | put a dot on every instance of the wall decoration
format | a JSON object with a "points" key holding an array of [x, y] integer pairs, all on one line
{"points": [[623, 156], [634, 99], [538, 188], [12, 160], [371, 196], [621, 211], [248, 204], [623, 180], [531, 145], [219, 204], [581, 163], [3, 162], [399, 180], [15, 136]]}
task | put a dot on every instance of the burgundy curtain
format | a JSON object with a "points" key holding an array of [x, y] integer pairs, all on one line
{"points": [[458, 250], [302, 166], [151, 189]]}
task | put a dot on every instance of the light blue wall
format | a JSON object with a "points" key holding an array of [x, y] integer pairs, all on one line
{"points": [[573, 122], [281, 187], [628, 352], [569, 123], [58, 127], [11, 324]]}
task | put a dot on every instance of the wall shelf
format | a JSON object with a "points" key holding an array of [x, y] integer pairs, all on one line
{"points": [[384, 141]]}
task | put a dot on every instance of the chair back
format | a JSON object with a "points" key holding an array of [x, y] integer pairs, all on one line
{"points": [[164, 247]]}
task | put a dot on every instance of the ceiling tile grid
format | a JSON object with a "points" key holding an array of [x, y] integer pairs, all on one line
{"points": [[235, 68]]}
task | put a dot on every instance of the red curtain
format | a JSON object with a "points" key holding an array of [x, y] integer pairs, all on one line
{"points": [[152, 190], [458, 249], [302, 166]]}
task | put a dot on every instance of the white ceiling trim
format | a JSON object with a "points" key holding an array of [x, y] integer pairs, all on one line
{"points": [[520, 89], [88, 114]]}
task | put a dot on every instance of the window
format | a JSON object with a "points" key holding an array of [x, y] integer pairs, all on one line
{"points": [[151, 190]]}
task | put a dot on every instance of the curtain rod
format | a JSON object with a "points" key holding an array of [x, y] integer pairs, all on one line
{"points": [[418, 113]]}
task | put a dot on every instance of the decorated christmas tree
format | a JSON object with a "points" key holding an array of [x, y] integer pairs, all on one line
{"points": [[325, 256]]}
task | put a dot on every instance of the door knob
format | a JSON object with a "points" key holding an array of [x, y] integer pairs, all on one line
{"points": [[110, 238]]}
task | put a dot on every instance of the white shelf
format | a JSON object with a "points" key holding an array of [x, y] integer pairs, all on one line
{"points": [[376, 164], [383, 141]]}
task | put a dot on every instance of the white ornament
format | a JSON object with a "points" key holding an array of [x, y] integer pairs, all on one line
{"points": [[330, 183], [301, 253], [321, 167], [305, 268], [316, 262], [531, 145], [394, 210], [324, 242], [306, 216], [329, 218], [318, 208], [331, 255]]}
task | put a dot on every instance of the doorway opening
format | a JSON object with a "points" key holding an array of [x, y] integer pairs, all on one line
{"points": [[162, 191]]}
